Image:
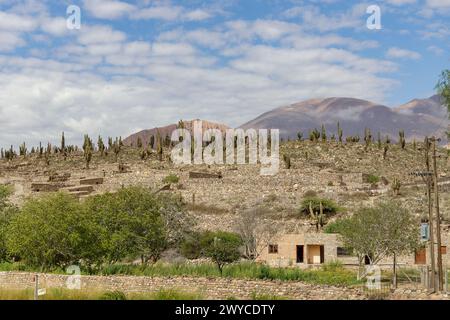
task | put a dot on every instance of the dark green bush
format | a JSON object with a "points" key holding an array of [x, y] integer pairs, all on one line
{"points": [[191, 246], [171, 179], [113, 295], [329, 206]]}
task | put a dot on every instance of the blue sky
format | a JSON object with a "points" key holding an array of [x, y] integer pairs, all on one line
{"points": [[146, 63]]}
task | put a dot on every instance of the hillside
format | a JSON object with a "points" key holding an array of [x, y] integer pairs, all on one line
{"points": [[167, 131], [418, 118]]}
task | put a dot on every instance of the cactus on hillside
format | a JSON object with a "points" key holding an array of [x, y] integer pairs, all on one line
{"points": [[324, 134], [396, 185], [402, 140], [367, 138], [23, 150], [317, 217], [339, 132], [287, 161]]}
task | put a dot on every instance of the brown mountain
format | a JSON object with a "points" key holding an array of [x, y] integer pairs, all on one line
{"points": [[167, 130], [418, 117]]}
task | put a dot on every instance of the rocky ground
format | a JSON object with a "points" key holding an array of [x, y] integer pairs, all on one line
{"points": [[331, 170]]}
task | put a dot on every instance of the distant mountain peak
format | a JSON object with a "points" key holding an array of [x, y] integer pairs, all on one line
{"points": [[418, 117]]}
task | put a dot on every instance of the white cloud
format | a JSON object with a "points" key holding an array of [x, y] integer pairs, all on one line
{"points": [[10, 41], [398, 53], [436, 50], [108, 9], [438, 4], [17, 23], [100, 34], [400, 2], [197, 15], [313, 18]]}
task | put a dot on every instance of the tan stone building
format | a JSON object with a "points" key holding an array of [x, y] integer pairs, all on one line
{"points": [[314, 249]]}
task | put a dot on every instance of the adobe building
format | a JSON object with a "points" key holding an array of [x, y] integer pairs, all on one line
{"points": [[314, 249]]}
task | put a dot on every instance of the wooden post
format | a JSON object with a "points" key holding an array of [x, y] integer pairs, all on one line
{"points": [[438, 218], [433, 286], [36, 287]]}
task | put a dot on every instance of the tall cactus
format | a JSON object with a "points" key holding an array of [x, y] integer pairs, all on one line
{"points": [[396, 185], [23, 150], [339, 132], [324, 134], [318, 217], [367, 138], [402, 140], [87, 149]]}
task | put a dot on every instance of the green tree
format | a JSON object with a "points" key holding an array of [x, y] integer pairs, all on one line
{"points": [[222, 247], [51, 232], [381, 231], [443, 88], [131, 222], [7, 212]]}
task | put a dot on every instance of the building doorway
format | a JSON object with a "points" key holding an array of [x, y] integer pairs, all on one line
{"points": [[316, 254], [300, 254]]}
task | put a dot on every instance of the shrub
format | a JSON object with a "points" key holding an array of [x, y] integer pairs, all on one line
{"points": [[222, 247], [335, 226], [191, 247], [172, 294], [113, 295], [371, 178], [171, 179], [310, 194], [329, 207]]}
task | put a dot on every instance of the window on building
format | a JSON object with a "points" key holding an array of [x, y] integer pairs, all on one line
{"points": [[342, 252], [273, 248], [443, 250]]}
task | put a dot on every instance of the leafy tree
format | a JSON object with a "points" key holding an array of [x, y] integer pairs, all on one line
{"points": [[7, 212], [222, 247], [402, 234], [443, 88], [135, 222], [377, 232], [53, 231]]}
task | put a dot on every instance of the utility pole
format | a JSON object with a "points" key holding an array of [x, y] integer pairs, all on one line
{"points": [[430, 215], [438, 217]]}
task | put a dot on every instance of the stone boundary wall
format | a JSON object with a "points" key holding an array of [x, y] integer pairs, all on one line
{"points": [[209, 288]]}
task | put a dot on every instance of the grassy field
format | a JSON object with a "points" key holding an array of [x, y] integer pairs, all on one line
{"points": [[329, 274], [65, 294]]}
